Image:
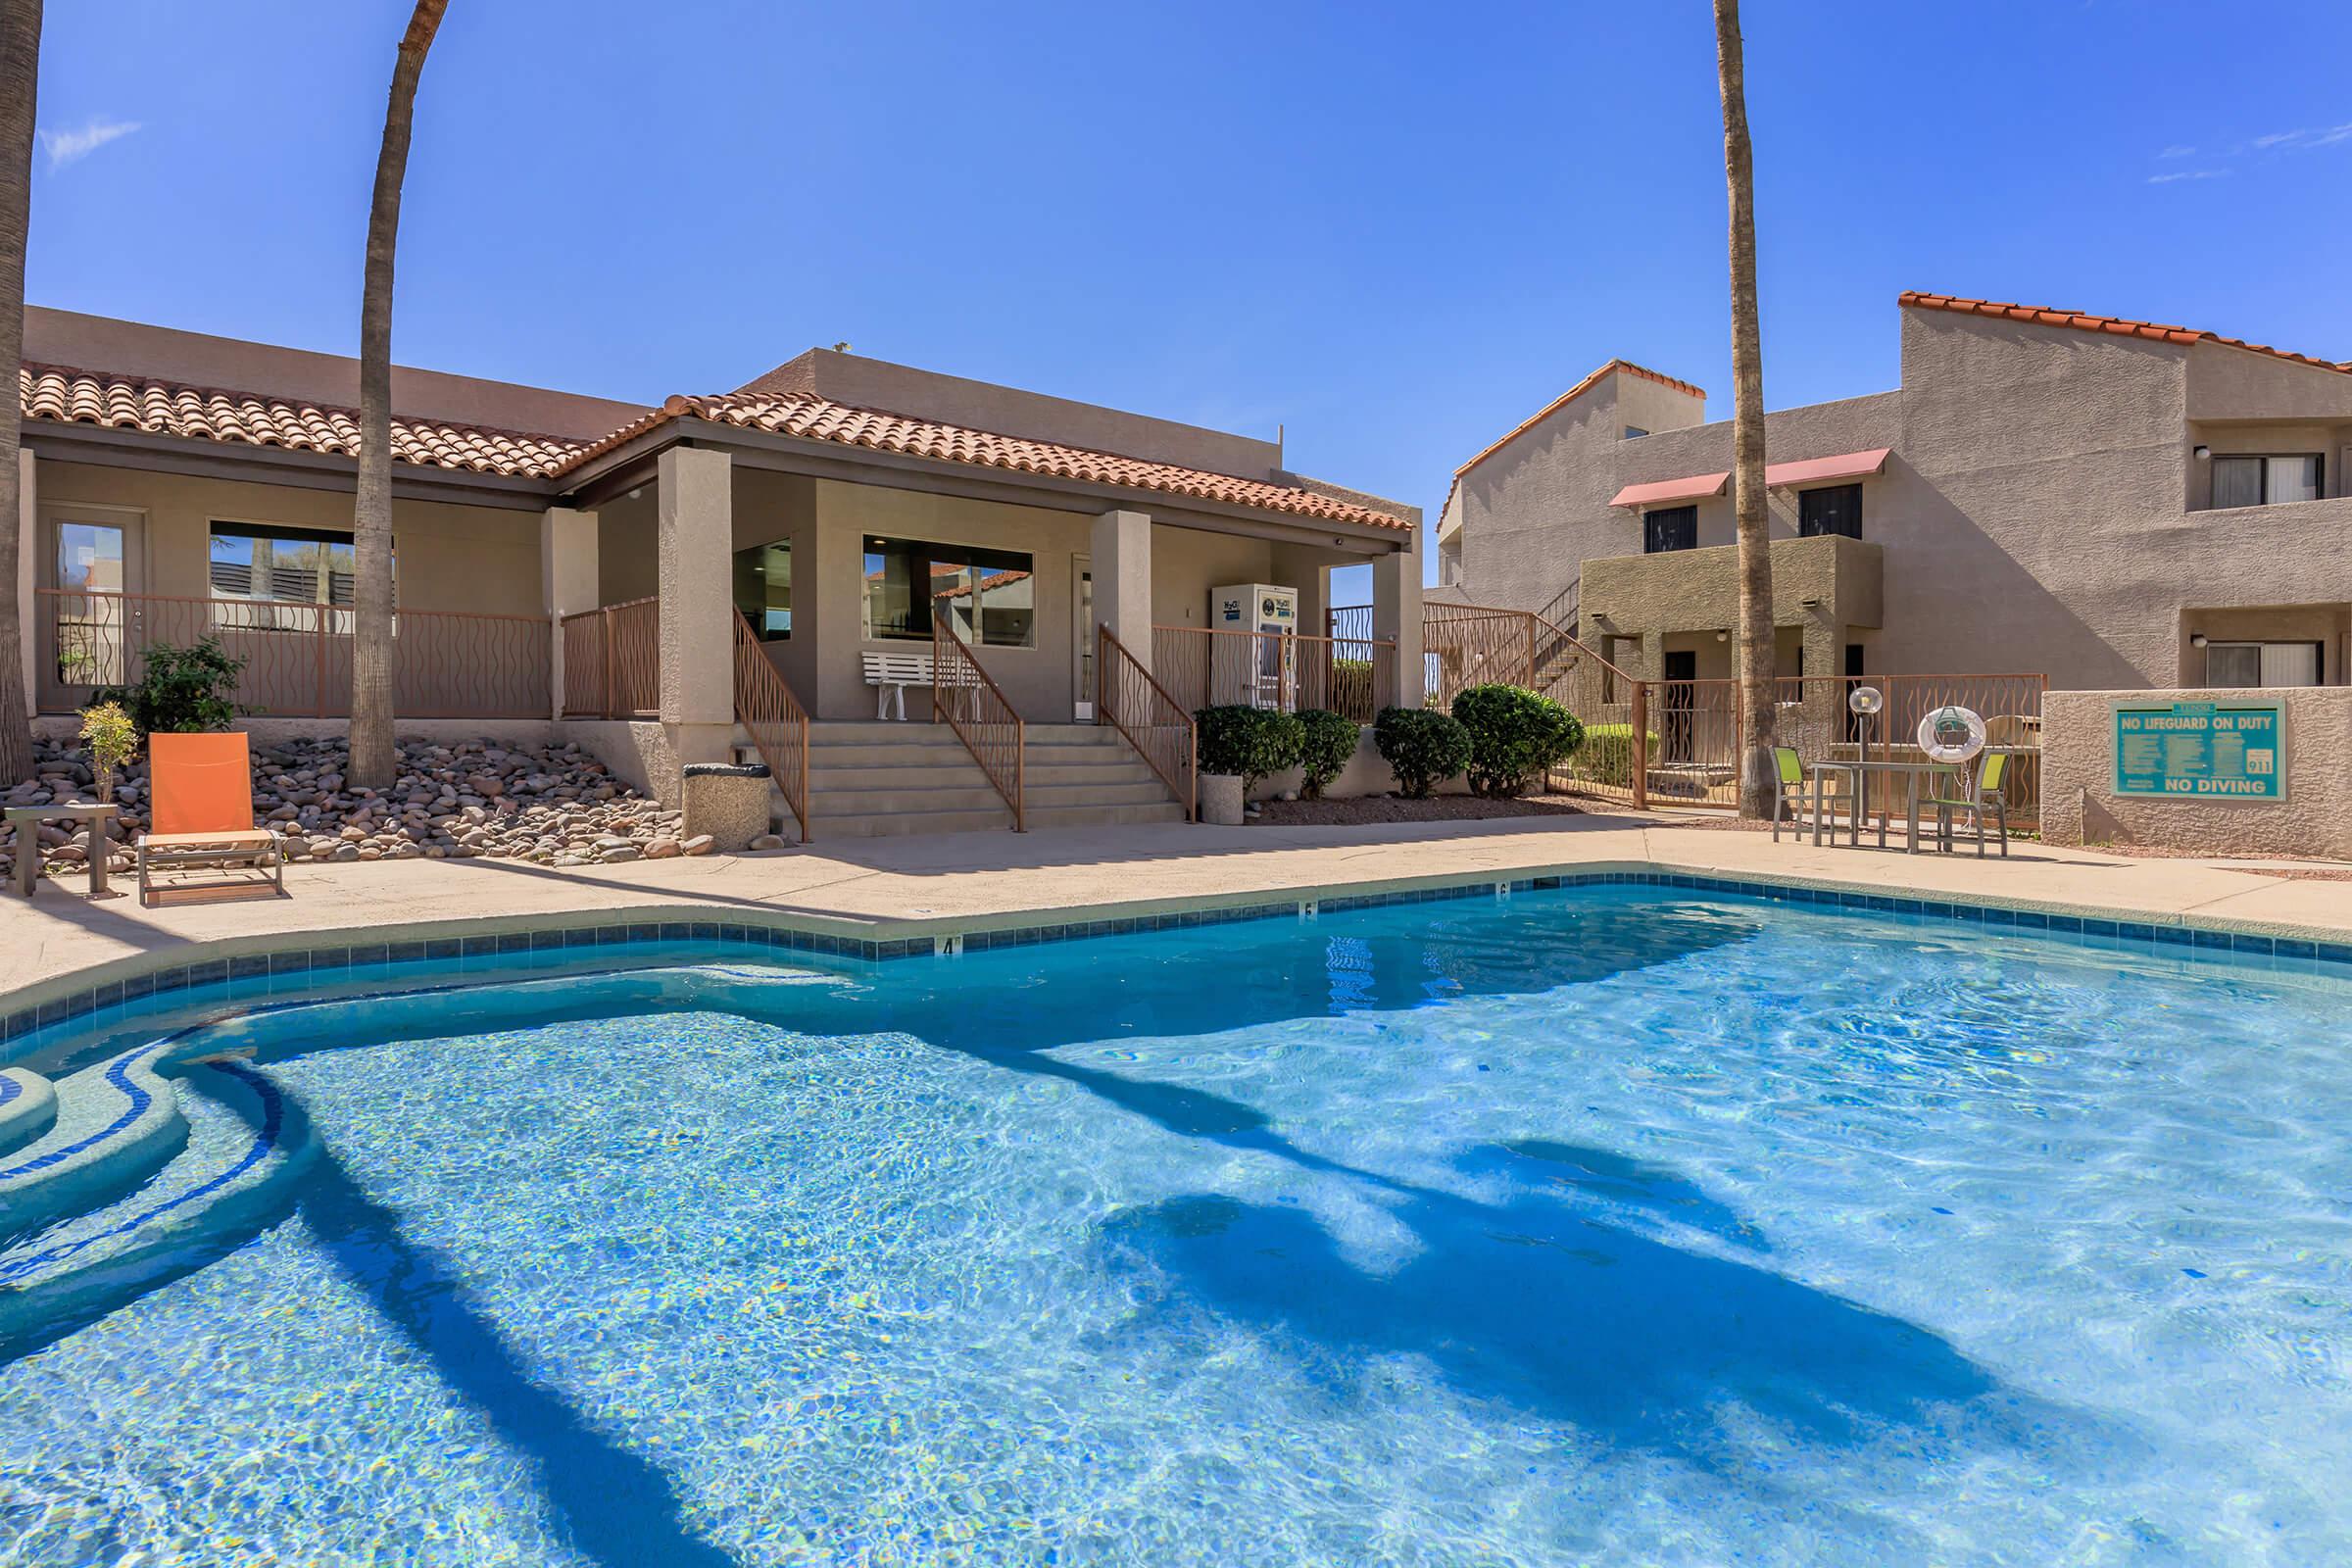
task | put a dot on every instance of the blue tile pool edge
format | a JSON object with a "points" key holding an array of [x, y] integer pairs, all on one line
{"points": [[253, 974]]}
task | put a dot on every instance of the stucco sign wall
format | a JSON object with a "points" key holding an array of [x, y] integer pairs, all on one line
{"points": [[2201, 750], [2262, 772]]}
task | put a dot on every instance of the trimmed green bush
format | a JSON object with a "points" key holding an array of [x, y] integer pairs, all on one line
{"points": [[1328, 742], [1608, 755], [1421, 746], [1516, 737], [1253, 742], [181, 691]]}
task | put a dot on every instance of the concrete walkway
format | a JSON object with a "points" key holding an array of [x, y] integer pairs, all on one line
{"points": [[913, 886]]}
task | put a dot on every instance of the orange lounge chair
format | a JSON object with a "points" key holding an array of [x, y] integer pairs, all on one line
{"points": [[200, 794]]}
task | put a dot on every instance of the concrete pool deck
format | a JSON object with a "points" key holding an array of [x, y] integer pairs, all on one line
{"points": [[913, 887]]}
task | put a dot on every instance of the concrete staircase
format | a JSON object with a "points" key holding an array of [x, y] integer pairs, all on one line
{"points": [[871, 778]]}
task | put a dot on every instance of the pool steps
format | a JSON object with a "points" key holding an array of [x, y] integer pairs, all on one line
{"points": [[152, 1153], [27, 1107]]}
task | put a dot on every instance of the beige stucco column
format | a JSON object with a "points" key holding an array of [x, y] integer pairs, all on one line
{"points": [[567, 583], [1120, 556], [1396, 617], [29, 575], [695, 523]]}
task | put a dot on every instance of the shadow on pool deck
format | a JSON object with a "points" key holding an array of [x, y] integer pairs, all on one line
{"points": [[614, 1506]]}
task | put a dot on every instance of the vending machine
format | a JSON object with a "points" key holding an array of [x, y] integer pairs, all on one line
{"points": [[1260, 667]]}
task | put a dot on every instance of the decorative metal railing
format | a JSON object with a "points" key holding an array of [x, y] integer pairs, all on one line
{"points": [[1203, 667], [969, 702], [297, 656], [772, 716], [612, 660], [1158, 726]]}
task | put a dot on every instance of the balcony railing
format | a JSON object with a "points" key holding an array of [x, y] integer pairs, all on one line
{"points": [[296, 656], [612, 660], [1203, 667]]}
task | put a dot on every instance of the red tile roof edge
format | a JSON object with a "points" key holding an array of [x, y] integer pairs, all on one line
{"points": [[2122, 326], [57, 394], [812, 417], [1627, 367]]}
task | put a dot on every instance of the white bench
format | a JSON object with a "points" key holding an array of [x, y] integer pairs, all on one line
{"points": [[891, 673]]}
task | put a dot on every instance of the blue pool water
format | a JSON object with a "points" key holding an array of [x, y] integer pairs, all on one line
{"points": [[1610, 1225]]}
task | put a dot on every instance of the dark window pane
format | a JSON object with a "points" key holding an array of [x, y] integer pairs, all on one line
{"points": [[2238, 481], [1835, 509], [1671, 528]]}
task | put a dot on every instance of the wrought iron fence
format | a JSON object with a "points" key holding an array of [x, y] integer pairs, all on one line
{"points": [[612, 660], [1206, 667], [297, 656], [969, 702], [769, 713]]}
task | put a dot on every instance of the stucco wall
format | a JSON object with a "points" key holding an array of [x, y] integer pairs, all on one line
{"points": [[482, 559], [2037, 513], [2080, 805]]}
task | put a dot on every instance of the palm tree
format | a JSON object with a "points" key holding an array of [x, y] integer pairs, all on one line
{"points": [[373, 764], [19, 73], [1756, 769]]}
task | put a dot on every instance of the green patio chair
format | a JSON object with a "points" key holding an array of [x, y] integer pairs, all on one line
{"points": [[1986, 795], [1789, 777]]}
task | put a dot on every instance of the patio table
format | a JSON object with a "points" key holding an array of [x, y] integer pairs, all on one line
{"points": [[24, 822], [1912, 770]]}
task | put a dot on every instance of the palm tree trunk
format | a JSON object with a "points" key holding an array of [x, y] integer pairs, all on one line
{"points": [[20, 75], [373, 763], [1757, 774]]}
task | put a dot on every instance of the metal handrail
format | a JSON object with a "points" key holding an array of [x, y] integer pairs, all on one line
{"points": [[770, 712], [1190, 658], [988, 735], [1114, 655]]}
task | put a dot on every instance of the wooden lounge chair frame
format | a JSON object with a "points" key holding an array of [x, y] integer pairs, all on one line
{"points": [[196, 785]]}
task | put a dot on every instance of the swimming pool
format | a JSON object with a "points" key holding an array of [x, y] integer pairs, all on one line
{"points": [[1612, 1224]]}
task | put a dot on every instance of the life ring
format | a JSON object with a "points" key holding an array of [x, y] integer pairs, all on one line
{"points": [[1951, 734]]}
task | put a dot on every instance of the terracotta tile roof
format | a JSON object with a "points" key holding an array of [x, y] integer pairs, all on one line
{"points": [[1622, 367], [63, 396], [815, 419], [2122, 326]]}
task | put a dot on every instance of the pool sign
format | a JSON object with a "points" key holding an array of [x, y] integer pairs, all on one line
{"points": [[2201, 750]]}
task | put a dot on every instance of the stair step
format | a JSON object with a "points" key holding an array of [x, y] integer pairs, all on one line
{"points": [[891, 824], [828, 804], [116, 1125], [1166, 811], [27, 1107], [242, 1142]]}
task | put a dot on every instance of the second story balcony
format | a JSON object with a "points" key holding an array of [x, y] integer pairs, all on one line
{"points": [[1828, 576]]}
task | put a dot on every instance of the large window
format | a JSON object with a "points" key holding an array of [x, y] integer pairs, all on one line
{"points": [[764, 589], [989, 596], [1834, 509], [2247, 480], [290, 565], [1669, 528], [2263, 664]]}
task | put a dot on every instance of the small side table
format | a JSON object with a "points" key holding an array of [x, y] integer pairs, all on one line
{"points": [[25, 823]]}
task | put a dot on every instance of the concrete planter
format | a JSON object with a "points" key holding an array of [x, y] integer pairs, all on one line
{"points": [[1221, 798], [729, 802]]}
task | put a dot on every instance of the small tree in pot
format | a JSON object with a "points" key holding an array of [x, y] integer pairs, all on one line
{"points": [[1239, 746]]}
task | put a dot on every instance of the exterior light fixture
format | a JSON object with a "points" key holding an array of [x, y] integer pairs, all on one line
{"points": [[2201, 454], [1722, 636], [2196, 640]]}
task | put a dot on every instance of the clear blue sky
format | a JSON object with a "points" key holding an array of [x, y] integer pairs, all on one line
{"points": [[1397, 229]]}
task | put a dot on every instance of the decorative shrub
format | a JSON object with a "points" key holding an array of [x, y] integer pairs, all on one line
{"points": [[1253, 742], [1608, 755], [1329, 740], [113, 740], [1421, 746], [181, 691], [1515, 737]]}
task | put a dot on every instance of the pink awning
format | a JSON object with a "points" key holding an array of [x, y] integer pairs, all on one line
{"points": [[1815, 470], [1659, 492]]}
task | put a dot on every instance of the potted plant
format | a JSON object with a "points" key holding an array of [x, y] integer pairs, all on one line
{"points": [[1240, 744]]}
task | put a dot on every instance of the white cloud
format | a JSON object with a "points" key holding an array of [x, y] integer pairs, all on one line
{"points": [[2278, 138], [2178, 152], [2189, 174], [71, 146]]}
